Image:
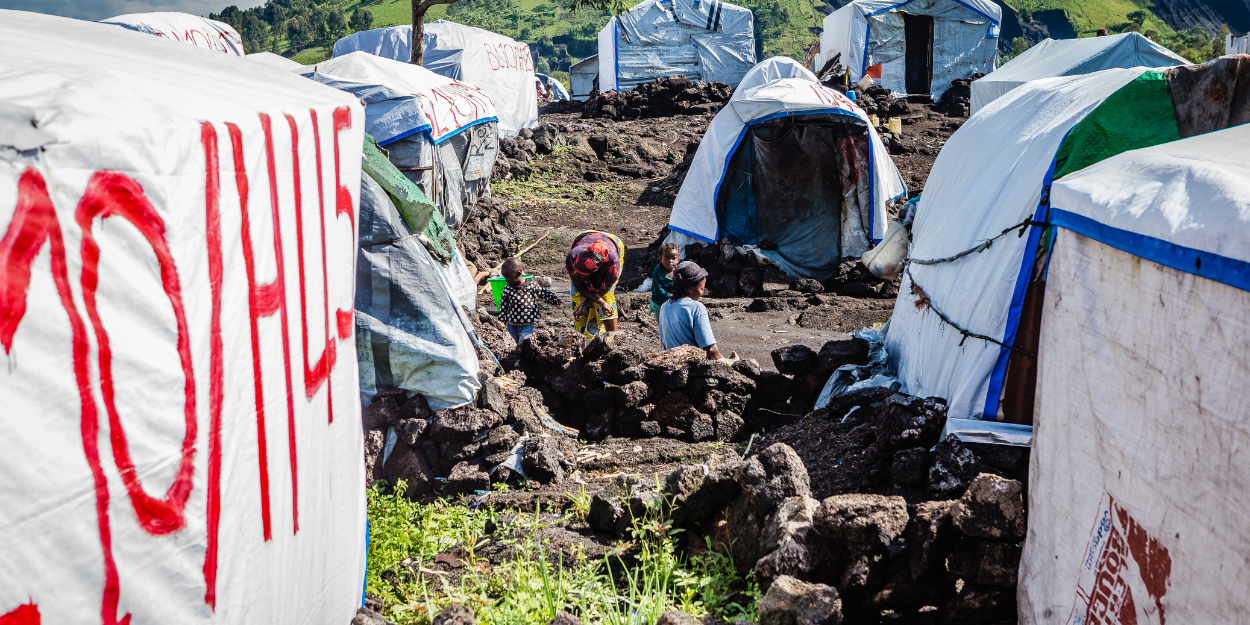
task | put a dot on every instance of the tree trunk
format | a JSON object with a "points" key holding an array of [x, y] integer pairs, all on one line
{"points": [[418, 31]]}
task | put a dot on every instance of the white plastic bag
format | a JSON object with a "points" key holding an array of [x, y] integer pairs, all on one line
{"points": [[886, 260]]}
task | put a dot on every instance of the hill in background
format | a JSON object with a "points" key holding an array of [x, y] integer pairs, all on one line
{"points": [[305, 30]]}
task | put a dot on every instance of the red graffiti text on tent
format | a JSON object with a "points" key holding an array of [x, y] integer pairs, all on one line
{"points": [[111, 194]]}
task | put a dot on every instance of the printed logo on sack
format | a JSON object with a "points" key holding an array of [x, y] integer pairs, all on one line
{"points": [[1124, 573]]}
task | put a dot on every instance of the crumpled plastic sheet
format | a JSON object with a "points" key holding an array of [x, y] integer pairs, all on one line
{"points": [[850, 378]]}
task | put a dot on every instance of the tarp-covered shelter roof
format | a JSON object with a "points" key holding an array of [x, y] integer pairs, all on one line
{"points": [[703, 40], [275, 61], [193, 29], [1010, 153], [1068, 57], [920, 46], [403, 99], [126, 241], [1139, 460], [498, 65]]}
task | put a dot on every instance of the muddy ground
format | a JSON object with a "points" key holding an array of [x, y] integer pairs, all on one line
{"points": [[632, 197]]}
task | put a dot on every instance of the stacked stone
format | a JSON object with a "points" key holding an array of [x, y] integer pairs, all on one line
{"points": [[849, 557], [489, 233], [515, 154], [663, 97], [465, 448], [606, 388], [732, 273]]}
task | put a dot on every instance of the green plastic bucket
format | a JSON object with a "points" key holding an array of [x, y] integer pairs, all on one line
{"points": [[497, 285]]}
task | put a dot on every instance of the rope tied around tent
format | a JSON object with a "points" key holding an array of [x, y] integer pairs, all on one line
{"points": [[923, 301], [984, 245]]}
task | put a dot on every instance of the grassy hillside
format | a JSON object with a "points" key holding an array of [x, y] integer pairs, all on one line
{"points": [[1087, 16], [562, 35], [1083, 18]]}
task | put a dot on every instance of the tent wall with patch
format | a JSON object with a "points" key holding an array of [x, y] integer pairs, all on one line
{"points": [[184, 27], [412, 287], [965, 325], [1070, 57], [706, 40], [181, 424], [499, 66], [791, 167], [916, 46], [440, 132], [1139, 471]]}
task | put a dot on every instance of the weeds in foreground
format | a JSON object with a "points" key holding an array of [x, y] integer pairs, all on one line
{"points": [[580, 503], [631, 585]]}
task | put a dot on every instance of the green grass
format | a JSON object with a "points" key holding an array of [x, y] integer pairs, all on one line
{"points": [[530, 588]]}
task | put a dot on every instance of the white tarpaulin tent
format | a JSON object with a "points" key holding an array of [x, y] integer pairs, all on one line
{"points": [[193, 29], [275, 61], [770, 69], [446, 106], [1139, 472], [802, 251], [1069, 57], [969, 307], [920, 46], [499, 66], [988, 178], [701, 39], [181, 427], [582, 77], [440, 132]]}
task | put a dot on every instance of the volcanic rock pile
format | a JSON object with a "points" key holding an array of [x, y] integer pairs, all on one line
{"points": [[877, 100], [955, 102], [850, 557], [604, 388], [467, 447], [488, 233], [664, 97]]}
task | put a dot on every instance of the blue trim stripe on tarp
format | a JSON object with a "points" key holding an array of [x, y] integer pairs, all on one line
{"points": [[463, 128], [691, 234], [1017, 297], [1222, 269], [404, 135], [760, 120], [364, 589], [616, 54]]}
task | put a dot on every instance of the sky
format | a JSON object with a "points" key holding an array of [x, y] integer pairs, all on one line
{"points": [[101, 9]]}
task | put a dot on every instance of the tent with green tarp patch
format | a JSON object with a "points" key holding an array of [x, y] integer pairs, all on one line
{"points": [[965, 325]]}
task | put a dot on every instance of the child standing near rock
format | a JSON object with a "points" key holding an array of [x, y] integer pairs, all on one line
{"points": [[662, 277], [517, 306]]}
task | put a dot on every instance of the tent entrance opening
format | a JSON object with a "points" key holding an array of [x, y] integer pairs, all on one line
{"points": [[918, 30], [783, 192]]}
